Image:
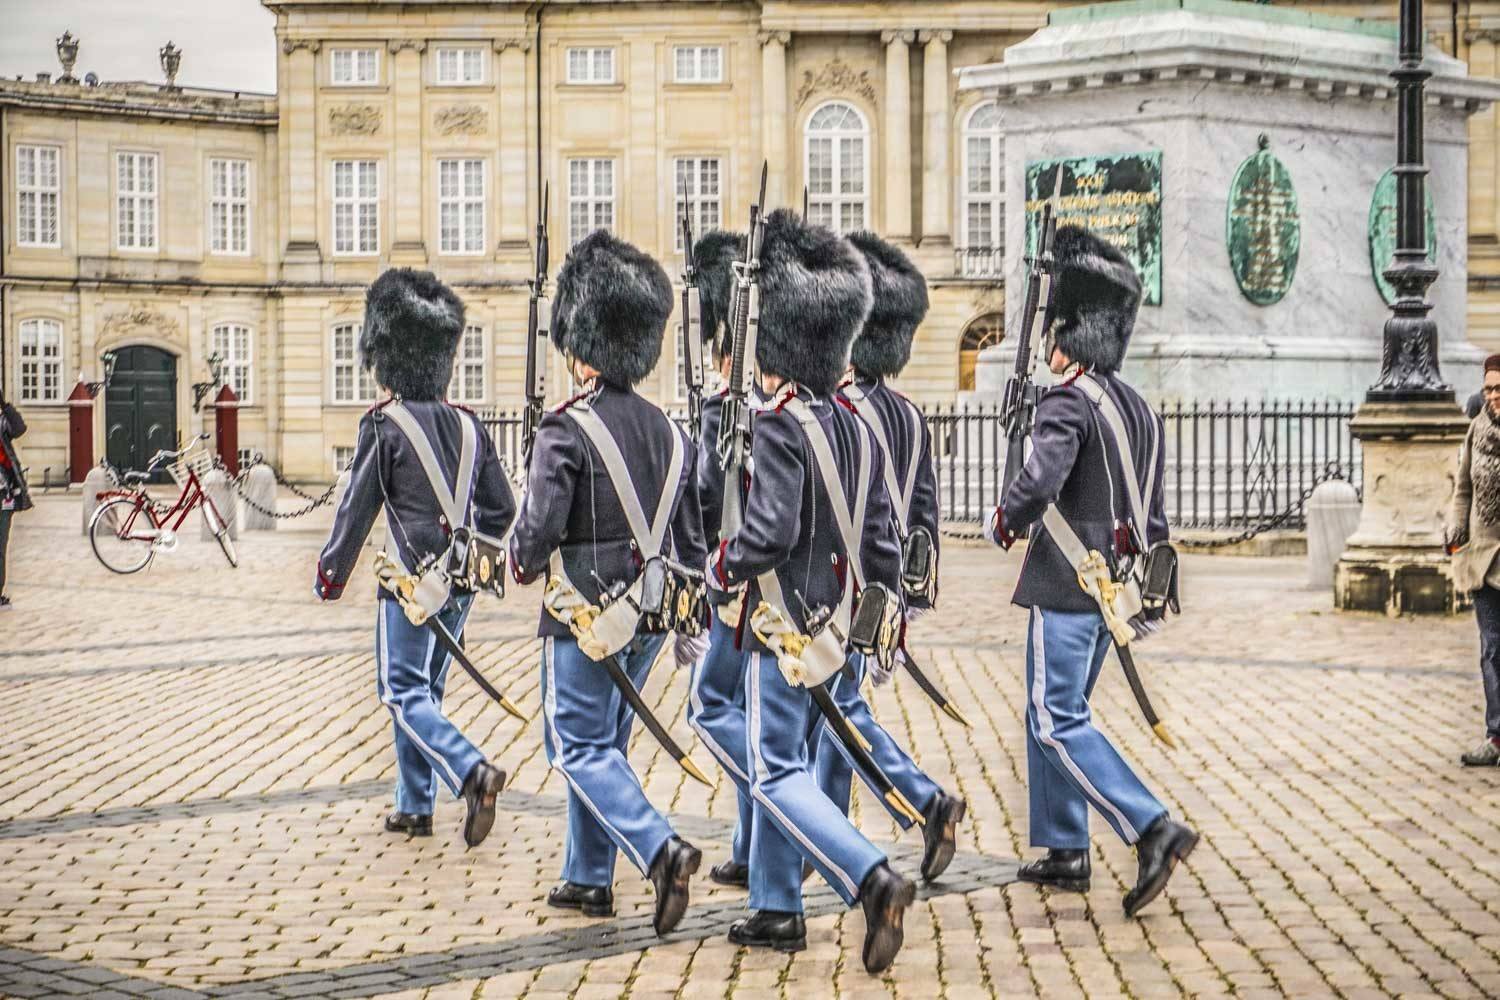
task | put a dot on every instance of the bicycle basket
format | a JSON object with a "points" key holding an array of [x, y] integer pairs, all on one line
{"points": [[195, 460]]}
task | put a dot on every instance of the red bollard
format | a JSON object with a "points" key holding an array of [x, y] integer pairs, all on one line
{"points": [[80, 432], [227, 428]]}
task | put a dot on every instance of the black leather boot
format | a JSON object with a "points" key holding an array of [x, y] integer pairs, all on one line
{"points": [[1062, 869], [884, 895], [770, 929], [480, 789], [409, 823], [940, 833], [593, 900], [675, 863], [731, 873], [1157, 852]]}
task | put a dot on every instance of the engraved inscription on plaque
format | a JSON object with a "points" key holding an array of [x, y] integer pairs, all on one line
{"points": [[1263, 227], [1117, 197], [1383, 232]]}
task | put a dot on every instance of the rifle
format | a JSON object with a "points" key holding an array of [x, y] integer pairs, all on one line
{"points": [[734, 429], [538, 331], [692, 322], [1019, 409]]}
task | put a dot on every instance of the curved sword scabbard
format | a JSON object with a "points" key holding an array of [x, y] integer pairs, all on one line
{"points": [[621, 679]]}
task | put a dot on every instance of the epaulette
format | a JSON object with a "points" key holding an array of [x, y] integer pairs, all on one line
{"points": [[560, 407], [375, 409], [460, 406], [784, 395], [846, 403]]}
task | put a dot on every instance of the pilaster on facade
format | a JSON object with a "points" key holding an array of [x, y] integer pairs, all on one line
{"points": [[937, 118], [407, 199], [299, 129], [773, 53], [514, 122], [897, 139]]}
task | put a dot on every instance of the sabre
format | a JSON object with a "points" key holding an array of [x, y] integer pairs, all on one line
{"points": [[621, 680], [932, 691], [1133, 678], [854, 744]]}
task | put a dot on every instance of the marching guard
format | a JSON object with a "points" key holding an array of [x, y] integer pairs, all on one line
{"points": [[434, 469], [1092, 485], [802, 549], [881, 351], [610, 516]]}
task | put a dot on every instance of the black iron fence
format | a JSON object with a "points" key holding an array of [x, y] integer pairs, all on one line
{"points": [[1229, 466]]}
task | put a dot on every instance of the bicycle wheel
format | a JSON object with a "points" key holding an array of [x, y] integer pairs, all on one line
{"points": [[122, 532], [221, 532]]}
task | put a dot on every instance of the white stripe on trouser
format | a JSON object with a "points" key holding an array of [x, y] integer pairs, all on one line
{"points": [[549, 706], [1045, 731], [696, 700], [389, 697], [762, 773]]}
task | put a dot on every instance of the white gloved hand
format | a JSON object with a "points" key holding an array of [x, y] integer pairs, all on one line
{"points": [[689, 650], [880, 674]]}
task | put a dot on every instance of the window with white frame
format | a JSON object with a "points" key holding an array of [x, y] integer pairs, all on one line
{"points": [[355, 67], [356, 206], [135, 200], [698, 64], [591, 197], [38, 190], [229, 206], [468, 382], [461, 206], [41, 361], [352, 383], [457, 66], [837, 168], [232, 343], [698, 178], [983, 179], [343, 457], [591, 65]]}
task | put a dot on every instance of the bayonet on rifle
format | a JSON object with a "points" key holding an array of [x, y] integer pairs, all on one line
{"points": [[692, 321], [1019, 409], [744, 313], [538, 330]]}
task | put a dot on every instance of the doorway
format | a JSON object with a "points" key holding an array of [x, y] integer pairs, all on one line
{"points": [[140, 408]]}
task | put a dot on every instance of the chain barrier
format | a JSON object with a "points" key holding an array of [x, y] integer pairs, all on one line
{"points": [[313, 502]]}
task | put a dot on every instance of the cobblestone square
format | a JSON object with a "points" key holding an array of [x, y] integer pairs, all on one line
{"points": [[196, 765]]}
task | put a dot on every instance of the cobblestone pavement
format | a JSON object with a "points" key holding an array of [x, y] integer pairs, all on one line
{"points": [[195, 767]]}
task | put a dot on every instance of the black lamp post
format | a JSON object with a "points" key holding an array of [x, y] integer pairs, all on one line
{"points": [[1409, 353]]}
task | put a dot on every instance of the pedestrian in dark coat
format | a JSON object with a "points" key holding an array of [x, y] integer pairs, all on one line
{"points": [[13, 493]]}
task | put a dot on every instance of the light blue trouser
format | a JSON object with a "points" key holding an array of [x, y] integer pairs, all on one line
{"points": [[1070, 764], [716, 711], [793, 820], [411, 672], [835, 766], [587, 730]]}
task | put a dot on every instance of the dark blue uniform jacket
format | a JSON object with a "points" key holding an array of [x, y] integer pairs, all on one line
{"points": [[1067, 467], [789, 521], [570, 503], [387, 471]]}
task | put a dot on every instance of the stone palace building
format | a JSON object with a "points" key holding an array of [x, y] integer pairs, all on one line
{"points": [[165, 223]]}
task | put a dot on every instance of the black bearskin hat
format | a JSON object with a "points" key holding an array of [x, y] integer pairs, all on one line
{"points": [[1095, 297], [900, 302], [814, 297], [713, 253], [611, 307], [413, 323]]}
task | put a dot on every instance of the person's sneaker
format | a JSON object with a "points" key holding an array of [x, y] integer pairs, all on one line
{"points": [[1486, 754]]}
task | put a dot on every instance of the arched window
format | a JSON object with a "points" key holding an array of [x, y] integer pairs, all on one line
{"points": [[983, 223], [986, 331], [837, 168]]}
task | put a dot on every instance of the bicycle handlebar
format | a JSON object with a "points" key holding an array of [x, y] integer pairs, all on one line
{"points": [[164, 455]]}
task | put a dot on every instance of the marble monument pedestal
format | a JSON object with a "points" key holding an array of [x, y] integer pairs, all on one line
{"points": [[1395, 561]]}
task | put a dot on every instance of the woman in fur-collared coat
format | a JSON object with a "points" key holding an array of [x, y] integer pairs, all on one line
{"points": [[1474, 541]]}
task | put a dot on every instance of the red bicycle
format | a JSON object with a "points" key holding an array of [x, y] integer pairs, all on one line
{"points": [[128, 528]]}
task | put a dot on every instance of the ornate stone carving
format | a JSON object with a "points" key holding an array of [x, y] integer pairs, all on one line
{"points": [[138, 319], [943, 35], [354, 119], [523, 43], [398, 45], [888, 36], [782, 38], [290, 45], [461, 119], [836, 77]]}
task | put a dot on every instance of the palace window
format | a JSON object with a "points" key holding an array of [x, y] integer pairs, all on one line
{"points": [[986, 331], [983, 201], [232, 343], [468, 382], [699, 178], [356, 206], [698, 64], [591, 197], [41, 361], [837, 168], [135, 201], [460, 66], [352, 383], [591, 65], [229, 206], [343, 457], [355, 67], [461, 206], [38, 191]]}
